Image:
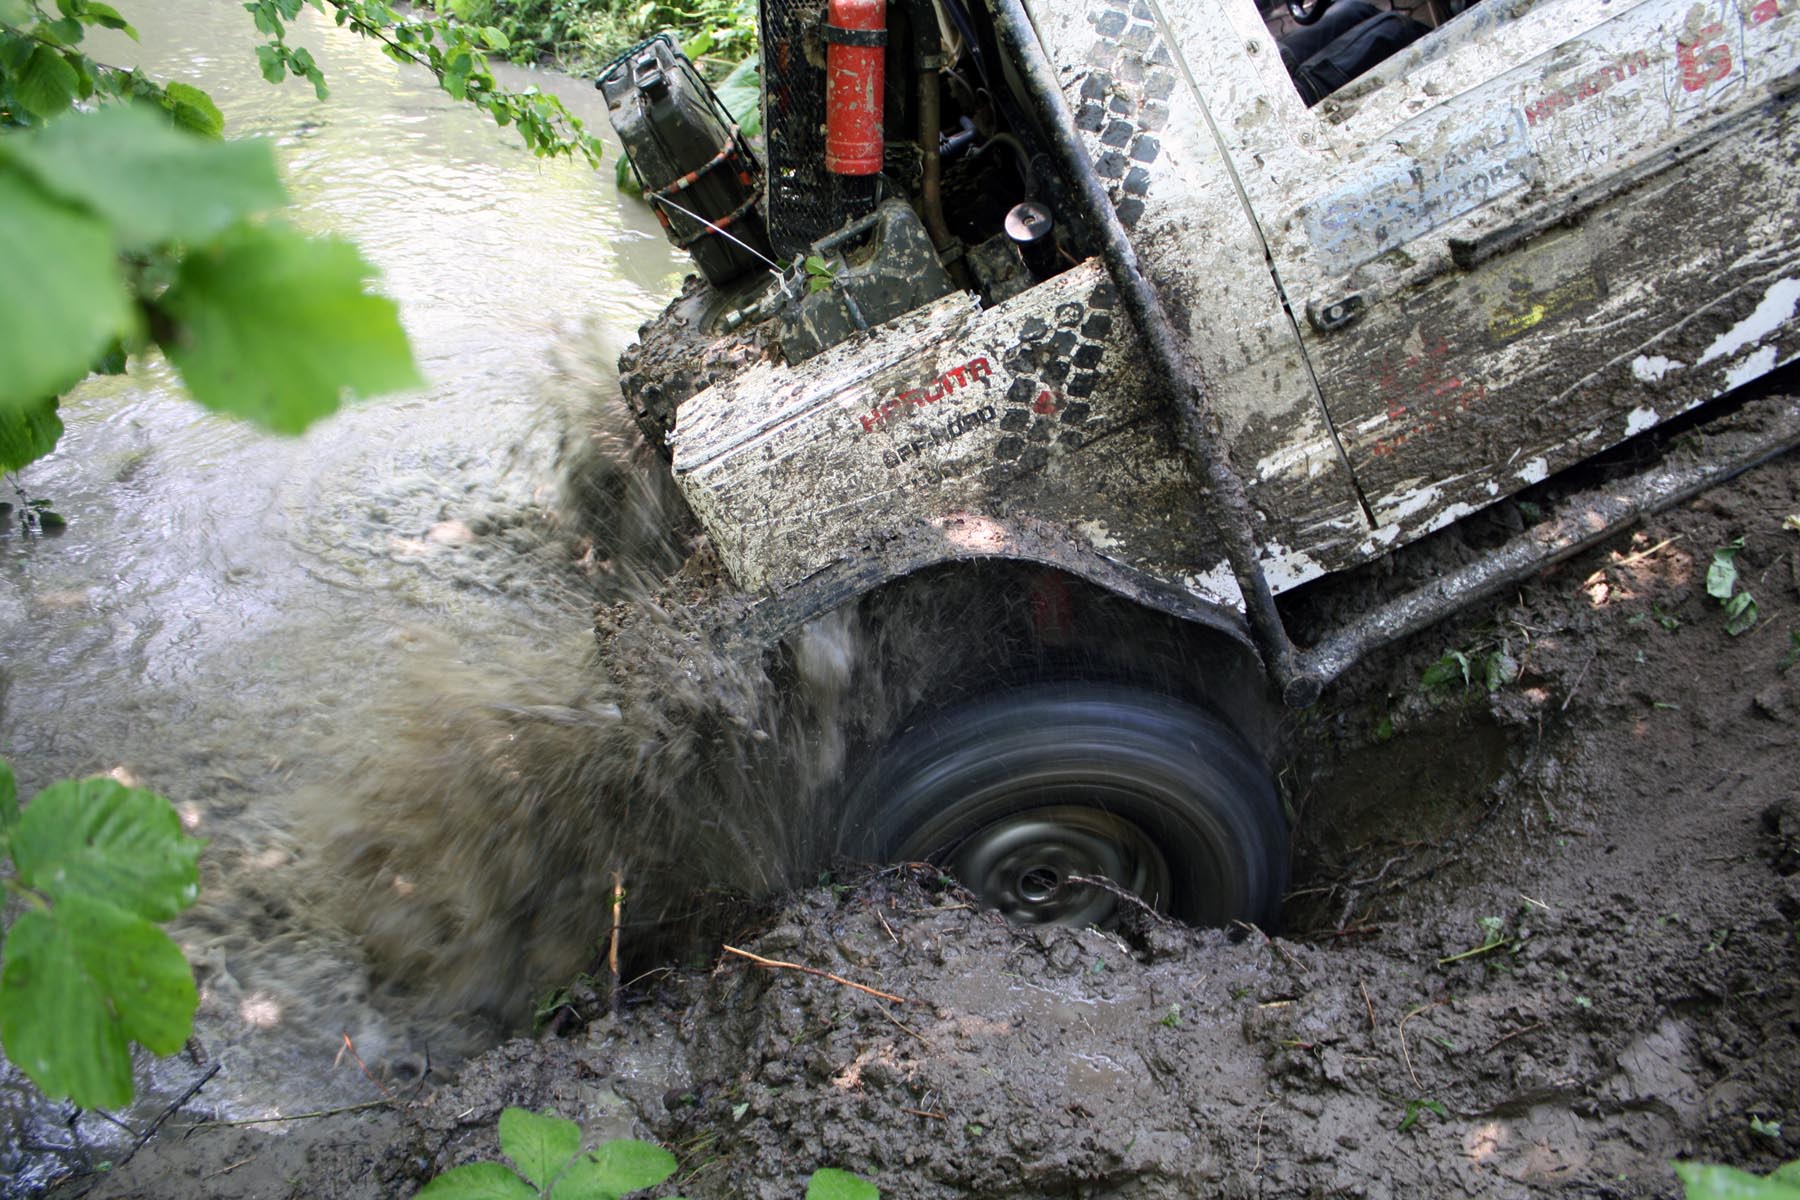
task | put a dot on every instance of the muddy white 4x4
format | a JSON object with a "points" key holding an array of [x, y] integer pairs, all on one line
{"points": [[1116, 303]]}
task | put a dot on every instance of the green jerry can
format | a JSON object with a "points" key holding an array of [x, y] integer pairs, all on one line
{"points": [[696, 169]]}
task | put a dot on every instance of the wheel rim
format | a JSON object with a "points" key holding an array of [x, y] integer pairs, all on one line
{"points": [[1023, 863]]}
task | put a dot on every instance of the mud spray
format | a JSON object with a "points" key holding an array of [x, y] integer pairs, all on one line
{"points": [[474, 855]]}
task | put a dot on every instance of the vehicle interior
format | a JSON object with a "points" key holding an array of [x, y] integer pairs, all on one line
{"points": [[1325, 45]]}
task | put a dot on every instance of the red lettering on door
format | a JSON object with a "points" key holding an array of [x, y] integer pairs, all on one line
{"points": [[1703, 62]]}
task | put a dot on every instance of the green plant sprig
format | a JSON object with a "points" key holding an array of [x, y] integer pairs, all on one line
{"points": [[547, 1161], [87, 969], [456, 54]]}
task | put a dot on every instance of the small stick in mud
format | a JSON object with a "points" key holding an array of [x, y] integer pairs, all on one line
{"points": [[1369, 1004], [350, 1049], [1118, 893], [612, 948], [1631, 560], [919, 1112], [305, 1116], [1487, 949], [1579, 676], [1493, 1046], [168, 1112], [226, 1170], [760, 961], [1274, 945], [1404, 1054]]}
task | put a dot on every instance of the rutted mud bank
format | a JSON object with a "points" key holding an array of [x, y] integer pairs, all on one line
{"points": [[1543, 941]]}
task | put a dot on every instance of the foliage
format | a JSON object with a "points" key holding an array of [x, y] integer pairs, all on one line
{"points": [[722, 31], [1487, 663], [454, 50], [820, 274], [578, 33], [1702, 1181], [87, 971], [1418, 1108], [138, 227], [547, 1161], [829, 1183], [1722, 585], [582, 34]]}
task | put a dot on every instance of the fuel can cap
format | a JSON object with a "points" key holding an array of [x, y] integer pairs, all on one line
{"points": [[1028, 223]]}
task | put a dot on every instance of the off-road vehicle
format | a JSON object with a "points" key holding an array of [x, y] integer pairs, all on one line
{"points": [[1117, 319]]}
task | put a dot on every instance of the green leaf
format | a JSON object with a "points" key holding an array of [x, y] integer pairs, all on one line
{"points": [[614, 1169], [1501, 670], [1721, 576], [1706, 1182], [478, 1181], [274, 62], [1414, 1108], [1787, 1173], [540, 1144], [28, 433], [1452, 668], [1740, 614], [193, 110], [82, 980], [64, 32], [76, 304], [99, 838], [741, 94], [277, 327], [829, 1183], [108, 17], [9, 798], [153, 182], [14, 12], [46, 85]]}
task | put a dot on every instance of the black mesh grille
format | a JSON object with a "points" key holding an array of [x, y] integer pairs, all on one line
{"points": [[801, 193]]}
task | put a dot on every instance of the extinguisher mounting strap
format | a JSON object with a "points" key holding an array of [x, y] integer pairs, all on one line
{"points": [[837, 35]]}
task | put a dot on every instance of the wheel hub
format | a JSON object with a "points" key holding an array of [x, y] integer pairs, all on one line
{"points": [[1024, 865]]}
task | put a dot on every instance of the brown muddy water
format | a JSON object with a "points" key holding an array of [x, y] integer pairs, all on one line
{"points": [[234, 619]]}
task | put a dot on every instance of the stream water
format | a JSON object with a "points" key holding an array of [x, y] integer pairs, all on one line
{"points": [[230, 617]]}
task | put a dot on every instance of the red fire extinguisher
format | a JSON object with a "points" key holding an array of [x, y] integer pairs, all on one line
{"points": [[855, 38]]}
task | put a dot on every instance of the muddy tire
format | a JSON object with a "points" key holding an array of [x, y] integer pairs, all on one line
{"points": [[682, 351], [1018, 791]]}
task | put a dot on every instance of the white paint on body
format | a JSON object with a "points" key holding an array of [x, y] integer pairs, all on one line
{"points": [[1315, 455], [1097, 535], [1287, 568], [1753, 366], [1218, 585], [1406, 504], [1535, 470], [1638, 420], [1775, 310], [1447, 516], [1653, 368]]}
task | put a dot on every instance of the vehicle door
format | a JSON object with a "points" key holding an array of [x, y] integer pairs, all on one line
{"points": [[1544, 227]]}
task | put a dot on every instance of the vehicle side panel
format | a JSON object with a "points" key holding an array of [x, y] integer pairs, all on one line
{"points": [[1555, 231]]}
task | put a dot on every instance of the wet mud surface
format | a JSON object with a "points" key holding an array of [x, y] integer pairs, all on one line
{"points": [[1542, 941]]}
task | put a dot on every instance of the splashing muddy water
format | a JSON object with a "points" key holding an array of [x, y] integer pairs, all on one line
{"points": [[361, 662]]}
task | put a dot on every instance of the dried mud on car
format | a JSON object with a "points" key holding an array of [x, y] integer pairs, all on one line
{"points": [[1543, 940]]}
